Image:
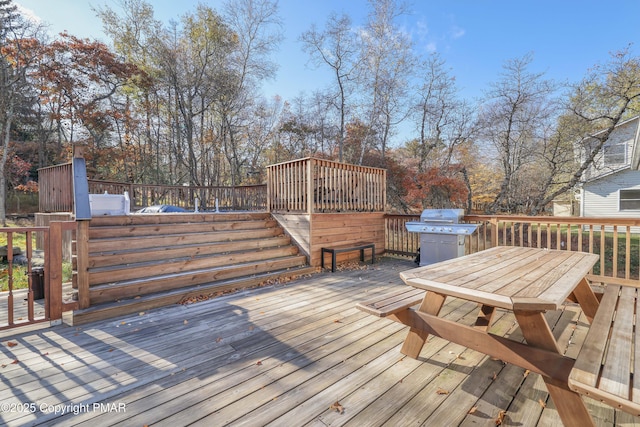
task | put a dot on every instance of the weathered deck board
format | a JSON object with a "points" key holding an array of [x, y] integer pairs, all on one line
{"points": [[282, 355]]}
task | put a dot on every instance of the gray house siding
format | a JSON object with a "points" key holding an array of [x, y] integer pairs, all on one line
{"points": [[601, 197]]}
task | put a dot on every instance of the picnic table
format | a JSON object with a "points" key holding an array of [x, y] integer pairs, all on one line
{"points": [[525, 281]]}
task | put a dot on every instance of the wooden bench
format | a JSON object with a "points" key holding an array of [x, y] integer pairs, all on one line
{"points": [[392, 302], [605, 366], [361, 246]]}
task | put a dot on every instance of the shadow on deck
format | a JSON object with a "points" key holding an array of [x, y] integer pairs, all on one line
{"points": [[290, 354]]}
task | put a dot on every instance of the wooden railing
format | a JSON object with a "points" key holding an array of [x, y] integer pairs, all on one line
{"points": [[615, 240], [56, 193], [48, 280], [244, 197], [315, 185]]}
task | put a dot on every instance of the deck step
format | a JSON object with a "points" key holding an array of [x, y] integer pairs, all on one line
{"points": [[158, 257], [132, 288], [160, 299]]}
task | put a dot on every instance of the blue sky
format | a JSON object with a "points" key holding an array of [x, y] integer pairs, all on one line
{"points": [[474, 37]]}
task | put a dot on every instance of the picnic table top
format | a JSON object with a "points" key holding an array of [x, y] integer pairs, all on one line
{"points": [[507, 277]]}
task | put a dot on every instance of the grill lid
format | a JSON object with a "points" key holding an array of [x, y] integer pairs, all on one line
{"points": [[441, 221], [451, 216]]}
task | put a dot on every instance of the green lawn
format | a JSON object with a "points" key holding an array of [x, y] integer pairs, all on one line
{"points": [[20, 278]]}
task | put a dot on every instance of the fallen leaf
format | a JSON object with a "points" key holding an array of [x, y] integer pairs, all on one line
{"points": [[123, 323], [472, 410], [495, 376], [141, 313], [15, 362], [11, 344], [337, 407], [218, 339], [542, 404], [500, 419], [259, 362], [337, 321], [442, 391], [526, 373]]}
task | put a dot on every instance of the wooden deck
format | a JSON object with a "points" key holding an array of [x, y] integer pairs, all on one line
{"points": [[294, 354]]}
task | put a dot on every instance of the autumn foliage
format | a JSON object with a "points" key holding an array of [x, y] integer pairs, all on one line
{"points": [[436, 188]]}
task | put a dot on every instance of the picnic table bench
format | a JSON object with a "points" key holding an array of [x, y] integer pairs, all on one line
{"points": [[350, 247], [529, 282], [610, 355]]}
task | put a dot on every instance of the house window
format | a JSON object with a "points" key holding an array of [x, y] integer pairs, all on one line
{"points": [[615, 154], [629, 200]]}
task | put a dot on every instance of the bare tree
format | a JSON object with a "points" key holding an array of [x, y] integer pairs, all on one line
{"points": [[609, 94], [258, 29], [518, 106], [336, 46], [387, 62]]}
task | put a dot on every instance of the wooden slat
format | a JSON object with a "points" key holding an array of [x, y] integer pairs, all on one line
{"points": [[589, 362], [615, 376], [142, 286], [129, 256], [392, 303], [126, 272], [168, 229]]}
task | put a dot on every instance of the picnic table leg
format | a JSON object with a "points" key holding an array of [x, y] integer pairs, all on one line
{"points": [[571, 407], [587, 299], [484, 317], [413, 343]]}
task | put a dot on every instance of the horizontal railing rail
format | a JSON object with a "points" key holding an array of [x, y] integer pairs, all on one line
{"points": [[615, 240]]}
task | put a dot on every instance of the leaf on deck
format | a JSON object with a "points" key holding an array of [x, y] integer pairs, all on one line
{"points": [[337, 407]]}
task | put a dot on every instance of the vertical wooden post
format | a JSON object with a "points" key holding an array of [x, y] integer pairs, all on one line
{"points": [[494, 231], [82, 263], [269, 191], [383, 186], [54, 294], [310, 180]]}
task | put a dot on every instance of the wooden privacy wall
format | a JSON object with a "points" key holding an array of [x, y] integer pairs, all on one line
{"points": [[55, 184], [316, 185], [312, 232], [342, 228]]}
